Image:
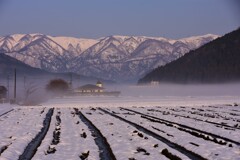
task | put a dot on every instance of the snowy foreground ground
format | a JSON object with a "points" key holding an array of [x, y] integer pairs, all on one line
{"points": [[153, 128]]}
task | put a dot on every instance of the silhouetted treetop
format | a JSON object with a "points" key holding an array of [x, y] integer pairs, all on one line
{"points": [[57, 86]]}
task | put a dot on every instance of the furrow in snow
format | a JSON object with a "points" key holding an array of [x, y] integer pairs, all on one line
{"points": [[173, 145], [104, 148], [184, 126], [31, 149], [6, 112]]}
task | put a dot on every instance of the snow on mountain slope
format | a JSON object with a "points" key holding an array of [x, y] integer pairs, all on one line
{"points": [[17, 37], [66, 42], [8, 42], [197, 41], [114, 57], [23, 41]]}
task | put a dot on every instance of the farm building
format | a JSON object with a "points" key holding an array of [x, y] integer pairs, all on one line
{"points": [[90, 88], [95, 90]]}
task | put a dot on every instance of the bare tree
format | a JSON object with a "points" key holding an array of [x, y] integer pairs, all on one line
{"points": [[29, 89]]}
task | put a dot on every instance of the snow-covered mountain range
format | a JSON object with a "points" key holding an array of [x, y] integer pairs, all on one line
{"points": [[116, 58]]}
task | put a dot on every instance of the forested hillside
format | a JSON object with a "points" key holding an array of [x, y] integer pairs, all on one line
{"points": [[216, 61]]}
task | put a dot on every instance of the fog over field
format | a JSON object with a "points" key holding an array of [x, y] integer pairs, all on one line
{"points": [[129, 92], [163, 95]]}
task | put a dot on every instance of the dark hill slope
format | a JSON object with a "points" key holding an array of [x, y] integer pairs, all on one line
{"points": [[215, 62], [7, 65]]}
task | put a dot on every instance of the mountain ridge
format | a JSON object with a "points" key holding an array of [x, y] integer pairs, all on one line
{"points": [[114, 57]]}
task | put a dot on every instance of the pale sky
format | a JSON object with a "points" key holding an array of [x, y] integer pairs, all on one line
{"points": [[98, 18]]}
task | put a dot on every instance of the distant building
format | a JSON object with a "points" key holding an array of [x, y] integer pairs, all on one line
{"points": [[95, 90], [154, 83], [99, 84], [90, 88], [3, 92]]}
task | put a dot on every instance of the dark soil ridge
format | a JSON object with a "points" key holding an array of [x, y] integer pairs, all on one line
{"points": [[184, 126], [105, 151], [31, 148], [173, 145], [6, 112], [215, 123]]}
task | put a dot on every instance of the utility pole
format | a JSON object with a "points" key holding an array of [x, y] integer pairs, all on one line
{"points": [[71, 78], [70, 83], [24, 82], [8, 78], [15, 85]]}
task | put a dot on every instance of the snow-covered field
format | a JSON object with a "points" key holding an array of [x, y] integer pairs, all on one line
{"points": [[123, 128]]}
